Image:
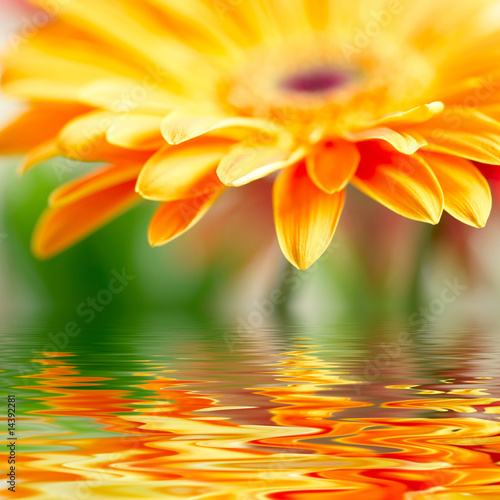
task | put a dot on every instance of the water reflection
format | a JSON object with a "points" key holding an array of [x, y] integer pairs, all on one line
{"points": [[296, 414]]}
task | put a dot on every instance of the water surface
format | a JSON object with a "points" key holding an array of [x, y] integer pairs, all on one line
{"points": [[143, 410]]}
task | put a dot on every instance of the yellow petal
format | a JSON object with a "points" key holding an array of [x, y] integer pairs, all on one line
{"points": [[42, 89], [402, 183], [290, 16], [64, 225], [318, 13], [257, 157], [139, 131], [175, 217], [64, 61], [402, 141], [460, 92], [83, 136], [419, 114], [204, 20], [84, 139], [135, 31], [239, 167], [304, 215], [179, 127], [183, 171], [126, 95], [332, 165], [467, 195]]}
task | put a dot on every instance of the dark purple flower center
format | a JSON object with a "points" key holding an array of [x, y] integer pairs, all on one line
{"points": [[316, 81]]}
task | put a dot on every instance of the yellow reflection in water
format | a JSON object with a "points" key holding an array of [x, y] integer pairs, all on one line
{"points": [[290, 437]]}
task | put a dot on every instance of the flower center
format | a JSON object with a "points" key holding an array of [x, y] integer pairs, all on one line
{"points": [[315, 81], [311, 87]]}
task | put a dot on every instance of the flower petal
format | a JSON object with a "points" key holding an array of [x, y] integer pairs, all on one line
{"points": [[64, 59], [183, 171], [83, 136], [202, 19], [419, 114], [463, 132], [304, 215], [84, 139], [37, 155], [95, 181], [126, 95], [64, 225], [467, 195], [175, 217], [402, 141], [332, 165], [251, 160], [135, 31], [136, 131], [402, 183], [43, 89], [36, 126], [179, 127]]}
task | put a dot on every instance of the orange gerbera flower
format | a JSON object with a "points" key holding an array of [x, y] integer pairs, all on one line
{"points": [[183, 99]]}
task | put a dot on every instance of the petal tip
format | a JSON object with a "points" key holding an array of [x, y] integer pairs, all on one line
{"points": [[40, 250], [435, 107], [435, 218], [299, 263], [174, 140]]}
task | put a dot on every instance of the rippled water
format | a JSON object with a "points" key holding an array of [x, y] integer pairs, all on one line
{"points": [[147, 411]]}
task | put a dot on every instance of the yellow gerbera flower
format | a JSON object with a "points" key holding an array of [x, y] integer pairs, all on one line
{"points": [[183, 99]]}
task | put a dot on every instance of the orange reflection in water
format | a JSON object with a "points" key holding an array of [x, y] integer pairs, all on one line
{"points": [[291, 437]]}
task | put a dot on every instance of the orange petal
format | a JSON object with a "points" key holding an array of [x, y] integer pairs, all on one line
{"points": [[175, 217], [402, 183], [36, 126], [467, 195], [304, 215], [38, 155], [463, 132], [64, 225], [95, 181], [182, 171], [332, 165]]}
